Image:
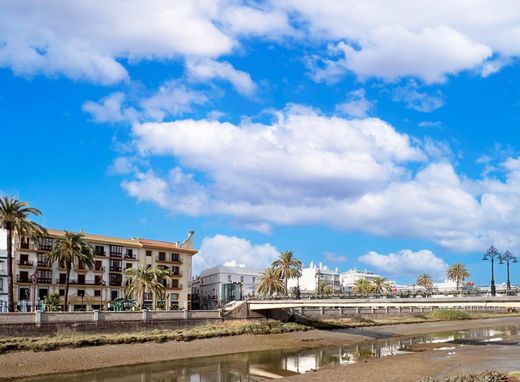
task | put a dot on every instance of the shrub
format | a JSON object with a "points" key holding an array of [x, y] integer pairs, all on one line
{"points": [[448, 315], [487, 376]]}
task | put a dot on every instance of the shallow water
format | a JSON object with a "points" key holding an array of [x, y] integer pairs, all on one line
{"points": [[256, 366]]}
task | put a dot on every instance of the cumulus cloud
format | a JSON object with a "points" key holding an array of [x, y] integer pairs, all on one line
{"points": [[204, 70], [310, 168], [407, 263], [428, 41], [220, 249], [356, 105], [334, 257]]}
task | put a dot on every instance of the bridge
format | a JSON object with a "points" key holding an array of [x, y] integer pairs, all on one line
{"points": [[485, 302]]}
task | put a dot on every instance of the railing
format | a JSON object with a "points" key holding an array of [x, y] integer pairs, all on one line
{"points": [[43, 263], [179, 286], [114, 268], [116, 254], [23, 279], [164, 259], [100, 254], [99, 269], [77, 282], [131, 256], [44, 280], [177, 274], [26, 263]]}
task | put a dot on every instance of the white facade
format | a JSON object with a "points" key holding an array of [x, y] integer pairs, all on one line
{"points": [[311, 276], [219, 285], [349, 278], [3, 270]]}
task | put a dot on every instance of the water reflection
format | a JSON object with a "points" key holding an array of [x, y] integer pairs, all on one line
{"points": [[257, 366]]}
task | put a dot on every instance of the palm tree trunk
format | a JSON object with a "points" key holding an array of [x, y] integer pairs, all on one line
{"points": [[286, 287], [66, 304], [143, 291], [10, 281]]}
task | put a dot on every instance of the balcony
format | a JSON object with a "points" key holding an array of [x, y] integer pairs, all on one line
{"points": [[78, 282], [164, 259], [25, 263], [177, 274], [43, 264], [24, 279], [100, 254], [99, 269], [44, 280], [130, 256], [114, 268], [177, 287]]}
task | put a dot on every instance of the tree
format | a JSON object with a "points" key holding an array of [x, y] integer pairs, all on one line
{"points": [[362, 287], [458, 273], [71, 250], [14, 216], [381, 285], [143, 280], [271, 282], [424, 281], [324, 288], [52, 302], [288, 266]]}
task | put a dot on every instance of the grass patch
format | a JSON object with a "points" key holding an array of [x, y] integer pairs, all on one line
{"points": [[228, 328], [486, 376], [448, 315]]}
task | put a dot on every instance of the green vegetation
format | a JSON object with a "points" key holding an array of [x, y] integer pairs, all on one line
{"points": [[52, 302], [448, 315], [231, 328], [71, 250], [270, 282], [14, 216], [486, 376], [457, 273], [425, 281], [288, 267], [144, 280]]}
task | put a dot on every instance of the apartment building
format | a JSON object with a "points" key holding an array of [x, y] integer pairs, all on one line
{"points": [[89, 289], [3, 271], [312, 276], [219, 285]]}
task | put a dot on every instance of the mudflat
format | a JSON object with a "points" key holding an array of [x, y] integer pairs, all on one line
{"points": [[406, 367]]}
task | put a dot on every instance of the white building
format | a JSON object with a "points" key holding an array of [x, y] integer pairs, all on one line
{"points": [[219, 285], [349, 278], [312, 275], [3, 270]]}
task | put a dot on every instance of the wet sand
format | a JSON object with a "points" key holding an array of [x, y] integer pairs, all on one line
{"points": [[406, 367]]}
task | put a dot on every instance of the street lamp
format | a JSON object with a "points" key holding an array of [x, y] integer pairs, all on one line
{"points": [[490, 254], [33, 302], [102, 284], [508, 257]]}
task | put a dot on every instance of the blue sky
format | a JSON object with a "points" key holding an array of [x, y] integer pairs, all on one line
{"points": [[350, 134]]}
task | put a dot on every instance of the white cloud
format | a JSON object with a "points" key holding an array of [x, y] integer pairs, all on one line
{"points": [[426, 40], [407, 263], [205, 70], [417, 100], [356, 105], [172, 98], [335, 258], [221, 249], [309, 168]]}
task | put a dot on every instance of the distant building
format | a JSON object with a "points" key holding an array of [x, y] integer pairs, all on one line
{"points": [[219, 285], [349, 278], [312, 275]]}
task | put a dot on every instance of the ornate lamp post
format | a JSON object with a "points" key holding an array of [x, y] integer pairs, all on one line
{"points": [[490, 254], [101, 286], [508, 257], [34, 279]]}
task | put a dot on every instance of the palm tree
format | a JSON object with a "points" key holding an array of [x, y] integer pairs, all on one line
{"points": [[324, 288], [425, 281], [143, 280], [288, 266], [458, 273], [381, 285], [362, 287], [14, 219], [271, 282], [71, 250]]}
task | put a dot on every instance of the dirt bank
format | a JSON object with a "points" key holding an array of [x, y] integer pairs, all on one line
{"points": [[23, 364]]}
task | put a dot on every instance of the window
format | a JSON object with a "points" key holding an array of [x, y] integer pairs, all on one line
{"points": [[24, 293], [100, 250], [42, 293], [175, 257], [24, 277], [97, 279], [81, 279], [175, 297], [129, 254], [242, 279], [175, 283], [114, 294], [148, 253], [115, 279], [229, 278], [253, 279], [63, 278], [62, 292], [97, 293], [98, 265], [81, 293], [42, 260], [162, 256], [116, 251], [24, 259], [176, 271], [115, 266], [25, 243], [45, 243], [44, 275], [128, 265]]}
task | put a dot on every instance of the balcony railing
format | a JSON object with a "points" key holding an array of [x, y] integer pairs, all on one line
{"points": [[25, 263], [179, 286], [164, 259], [23, 279], [77, 282], [44, 280], [131, 256], [43, 263], [114, 268], [116, 254], [177, 274], [99, 269], [100, 254]]}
